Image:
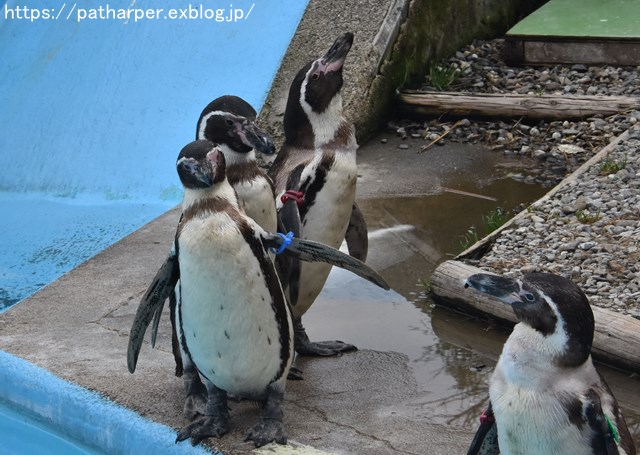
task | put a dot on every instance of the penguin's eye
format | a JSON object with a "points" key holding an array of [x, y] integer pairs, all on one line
{"points": [[315, 76], [229, 122], [529, 297]]}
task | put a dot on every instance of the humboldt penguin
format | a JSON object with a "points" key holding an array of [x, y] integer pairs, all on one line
{"points": [[233, 322], [546, 396], [229, 122], [320, 151]]}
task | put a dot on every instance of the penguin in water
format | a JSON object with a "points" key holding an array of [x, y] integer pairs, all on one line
{"points": [[233, 322], [316, 167], [546, 397]]}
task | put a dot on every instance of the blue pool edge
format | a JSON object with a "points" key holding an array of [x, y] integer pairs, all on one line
{"points": [[82, 414]]}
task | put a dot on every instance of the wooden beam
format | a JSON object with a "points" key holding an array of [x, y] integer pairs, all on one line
{"points": [[517, 106], [549, 51], [616, 338]]}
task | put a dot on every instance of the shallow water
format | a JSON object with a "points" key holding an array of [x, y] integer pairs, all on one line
{"points": [[21, 434]]}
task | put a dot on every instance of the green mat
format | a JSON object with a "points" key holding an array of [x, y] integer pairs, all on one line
{"points": [[583, 18]]}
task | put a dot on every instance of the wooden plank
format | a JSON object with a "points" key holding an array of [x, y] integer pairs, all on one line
{"points": [[624, 53], [616, 337], [518, 106]]}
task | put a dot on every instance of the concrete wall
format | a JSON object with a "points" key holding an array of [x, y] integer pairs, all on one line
{"points": [[94, 112]]}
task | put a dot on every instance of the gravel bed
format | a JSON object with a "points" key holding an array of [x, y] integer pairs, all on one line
{"points": [[557, 147], [588, 231]]}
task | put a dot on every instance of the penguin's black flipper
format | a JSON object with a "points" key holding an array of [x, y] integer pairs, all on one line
{"points": [[356, 236], [289, 221], [158, 313], [161, 286], [310, 251], [606, 436], [485, 441], [155, 324], [283, 263]]}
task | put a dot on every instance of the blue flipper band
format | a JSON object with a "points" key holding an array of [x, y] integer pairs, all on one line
{"points": [[286, 242]]}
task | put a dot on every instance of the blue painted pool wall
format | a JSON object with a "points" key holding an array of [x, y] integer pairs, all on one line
{"points": [[102, 107], [94, 112], [85, 415]]}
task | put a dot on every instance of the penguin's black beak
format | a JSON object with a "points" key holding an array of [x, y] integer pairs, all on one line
{"points": [[257, 139], [334, 59], [195, 174], [505, 289]]}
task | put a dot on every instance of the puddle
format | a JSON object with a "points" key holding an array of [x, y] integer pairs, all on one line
{"points": [[452, 355]]}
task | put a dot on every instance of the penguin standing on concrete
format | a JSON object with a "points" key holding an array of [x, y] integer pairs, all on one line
{"points": [[546, 396], [233, 322], [229, 122], [316, 167]]}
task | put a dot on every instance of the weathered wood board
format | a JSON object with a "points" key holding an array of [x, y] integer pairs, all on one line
{"points": [[539, 51], [591, 32], [516, 106]]}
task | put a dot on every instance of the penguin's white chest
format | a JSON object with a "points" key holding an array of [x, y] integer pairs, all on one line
{"points": [[534, 423], [326, 221], [526, 393], [225, 312], [257, 200]]}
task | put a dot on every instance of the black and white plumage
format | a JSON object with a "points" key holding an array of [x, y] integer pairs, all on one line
{"points": [[546, 395], [320, 146], [229, 122], [233, 322]]}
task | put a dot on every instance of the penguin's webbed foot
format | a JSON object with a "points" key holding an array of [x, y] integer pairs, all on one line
{"points": [[196, 391], [215, 422], [269, 430], [206, 427], [194, 404], [323, 348], [306, 347], [295, 374]]}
